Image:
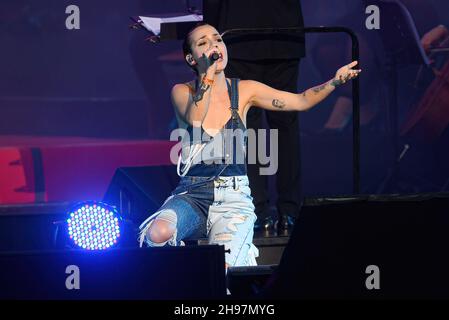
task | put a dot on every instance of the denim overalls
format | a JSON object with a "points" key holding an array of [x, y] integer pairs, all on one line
{"points": [[213, 197]]}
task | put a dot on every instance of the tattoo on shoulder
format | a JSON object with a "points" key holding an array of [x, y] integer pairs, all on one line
{"points": [[278, 103]]}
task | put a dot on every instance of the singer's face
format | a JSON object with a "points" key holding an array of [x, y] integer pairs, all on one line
{"points": [[206, 40]]}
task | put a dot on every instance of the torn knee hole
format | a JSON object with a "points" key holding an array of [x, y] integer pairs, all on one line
{"points": [[161, 231]]}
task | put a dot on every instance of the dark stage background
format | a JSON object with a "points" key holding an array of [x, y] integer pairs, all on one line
{"points": [[103, 84]]}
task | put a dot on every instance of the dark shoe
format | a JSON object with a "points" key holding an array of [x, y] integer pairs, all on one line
{"points": [[265, 224], [284, 223]]}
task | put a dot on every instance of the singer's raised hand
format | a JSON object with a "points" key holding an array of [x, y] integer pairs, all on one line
{"points": [[205, 63], [346, 73]]}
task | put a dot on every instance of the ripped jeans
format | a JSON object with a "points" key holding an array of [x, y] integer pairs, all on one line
{"points": [[221, 209]]}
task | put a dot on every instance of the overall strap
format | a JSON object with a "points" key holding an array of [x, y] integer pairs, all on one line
{"points": [[234, 94]]}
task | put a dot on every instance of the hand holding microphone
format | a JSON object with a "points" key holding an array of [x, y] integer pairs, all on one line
{"points": [[214, 57], [208, 60], [206, 69]]}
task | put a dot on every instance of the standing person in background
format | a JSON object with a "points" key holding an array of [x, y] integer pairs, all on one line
{"points": [[272, 59]]}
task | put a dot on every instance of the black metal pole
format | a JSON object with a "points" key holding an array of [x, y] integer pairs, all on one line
{"points": [[355, 85]]}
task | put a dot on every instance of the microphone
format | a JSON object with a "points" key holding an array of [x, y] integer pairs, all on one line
{"points": [[214, 57]]}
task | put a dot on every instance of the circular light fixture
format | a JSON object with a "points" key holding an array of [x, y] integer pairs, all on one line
{"points": [[94, 226]]}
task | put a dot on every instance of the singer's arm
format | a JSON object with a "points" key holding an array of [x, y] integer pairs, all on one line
{"points": [[269, 98], [193, 106]]}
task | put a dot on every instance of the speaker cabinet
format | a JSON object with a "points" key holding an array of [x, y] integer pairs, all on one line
{"points": [[347, 247], [139, 191], [154, 273]]}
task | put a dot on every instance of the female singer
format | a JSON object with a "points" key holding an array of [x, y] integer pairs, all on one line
{"points": [[213, 196]]}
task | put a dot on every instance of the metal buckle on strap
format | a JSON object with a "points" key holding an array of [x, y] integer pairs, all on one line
{"points": [[219, 181]]}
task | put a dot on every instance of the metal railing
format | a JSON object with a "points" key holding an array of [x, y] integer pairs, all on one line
{"points": [[355, 83]]}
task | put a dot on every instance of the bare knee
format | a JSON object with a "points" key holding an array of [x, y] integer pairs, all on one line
{"points": [[161, 231]]}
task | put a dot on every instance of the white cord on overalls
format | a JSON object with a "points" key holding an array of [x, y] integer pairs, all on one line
{"points": [[193, 151]]}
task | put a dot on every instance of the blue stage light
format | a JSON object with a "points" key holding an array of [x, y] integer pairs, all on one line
{"points": [[94, 226]]}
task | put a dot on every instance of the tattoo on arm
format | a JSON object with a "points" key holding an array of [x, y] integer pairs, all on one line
{"points": [[278, 103], [319, 88], [199, 94], [336, 82]]}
